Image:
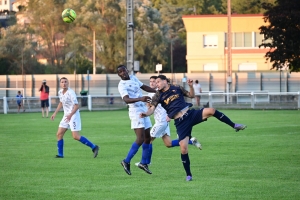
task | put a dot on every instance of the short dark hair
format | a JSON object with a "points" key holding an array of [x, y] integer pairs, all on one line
{"points": [[121, 66], [153, 77], [196, 81], [163, 77]]}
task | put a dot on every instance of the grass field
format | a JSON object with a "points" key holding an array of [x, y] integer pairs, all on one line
{"points": [[262, 162]]}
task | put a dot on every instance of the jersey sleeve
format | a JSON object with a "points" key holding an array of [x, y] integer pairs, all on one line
{"points": [[122, 90], [138, 81]]}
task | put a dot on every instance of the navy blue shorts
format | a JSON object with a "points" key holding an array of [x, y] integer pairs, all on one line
{"points": [[184, 124], [45, 103]]}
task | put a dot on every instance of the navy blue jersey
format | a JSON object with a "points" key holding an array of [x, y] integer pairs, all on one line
{"points": [[171, 100]]}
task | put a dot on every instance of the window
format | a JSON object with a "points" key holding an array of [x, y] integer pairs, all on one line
{"points": [[248, 39], [210, 67], [210, 41], [240, 39], [259, 39]]}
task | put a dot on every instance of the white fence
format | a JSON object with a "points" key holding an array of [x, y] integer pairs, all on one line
{"points": [[220, 100]]}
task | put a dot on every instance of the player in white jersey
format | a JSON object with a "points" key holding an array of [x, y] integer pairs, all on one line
{"points": [[71, 119], [130, 90], [161, 128]]}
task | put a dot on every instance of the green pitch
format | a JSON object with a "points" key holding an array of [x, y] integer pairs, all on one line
{"points": [[262, 162]]}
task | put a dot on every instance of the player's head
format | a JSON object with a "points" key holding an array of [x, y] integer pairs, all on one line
{"points": [[152, 83], [19, 92], [162, 82], [196, 81], [64, 83], [122, 72]]}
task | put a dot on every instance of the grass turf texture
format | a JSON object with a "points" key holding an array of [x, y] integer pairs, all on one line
{"points": [[261, 162]]}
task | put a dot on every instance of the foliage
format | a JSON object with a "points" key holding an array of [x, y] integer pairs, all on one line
{"points": [[47, 26], [157, 23], [17, 51], [283, 29]]}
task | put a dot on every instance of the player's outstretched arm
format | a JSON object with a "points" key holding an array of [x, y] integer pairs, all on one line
{"points": [[191, 93], [128, 100], [148, 89], [149, 112], [59, 106]]}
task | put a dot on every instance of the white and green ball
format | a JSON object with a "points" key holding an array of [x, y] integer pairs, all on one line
{"points": [[68, 15]]}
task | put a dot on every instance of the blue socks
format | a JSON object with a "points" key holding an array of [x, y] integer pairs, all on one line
{"points": [[145, 153], [175, 143], [134, 148], [85, 141], [60, 147], [150, 154], [223, 118], [186, 164]]}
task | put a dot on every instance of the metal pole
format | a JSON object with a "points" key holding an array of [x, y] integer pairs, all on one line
{"points": [[172, 59], [130, 36], [88, 78], [94, 52], [229, 77]]}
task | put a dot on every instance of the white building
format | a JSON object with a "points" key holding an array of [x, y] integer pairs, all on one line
{"points": [[8, 5]]}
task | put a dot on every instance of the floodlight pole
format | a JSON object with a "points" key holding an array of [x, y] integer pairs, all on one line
{"points": [[94, 52], [130, 36], [229, 44]]}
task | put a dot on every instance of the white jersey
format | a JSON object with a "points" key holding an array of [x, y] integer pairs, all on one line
{"points": [[160, 114], [68, 100], [197, 88], [132, 89]]}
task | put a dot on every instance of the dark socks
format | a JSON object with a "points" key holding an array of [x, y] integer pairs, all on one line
{"points": [[223, 118], [186, 164]]}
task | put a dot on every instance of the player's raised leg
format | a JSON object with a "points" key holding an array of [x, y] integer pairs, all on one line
{"points": [[208, 112], [95, 148]]}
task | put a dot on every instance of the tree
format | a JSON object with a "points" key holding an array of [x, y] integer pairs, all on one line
{"points": [[283, 31], [17, 50], [48, 29]]}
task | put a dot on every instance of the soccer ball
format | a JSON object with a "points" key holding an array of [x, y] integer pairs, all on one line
{"points": [[68, 15]]}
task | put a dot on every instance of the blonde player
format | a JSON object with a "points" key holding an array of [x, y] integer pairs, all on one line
{"points": [[71, 119]]}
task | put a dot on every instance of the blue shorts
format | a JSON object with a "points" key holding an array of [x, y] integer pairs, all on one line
{"points": [[184, 124]]}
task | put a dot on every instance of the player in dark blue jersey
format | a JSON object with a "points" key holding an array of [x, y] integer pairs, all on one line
{"points": [[171, 97]]}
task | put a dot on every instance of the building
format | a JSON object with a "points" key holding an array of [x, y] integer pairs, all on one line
{"points": [[207, 43], [8, 5]]}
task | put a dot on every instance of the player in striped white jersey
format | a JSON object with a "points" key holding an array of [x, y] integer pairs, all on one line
{"points": [[161, 128], [130, 90], [71, 119]]}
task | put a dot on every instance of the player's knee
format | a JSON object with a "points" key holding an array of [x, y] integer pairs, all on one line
{"points": [[76, 135]]}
